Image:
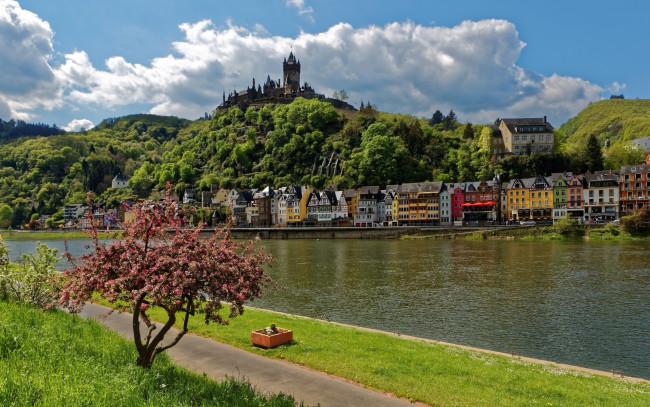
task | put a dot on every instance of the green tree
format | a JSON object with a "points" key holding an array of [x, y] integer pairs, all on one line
{"points": [[450, 120], [6, 216], [382, 157], [34, 281], [50, 198], [22, 212], [593, 155], [621, 154], [468, 132], [637, 223], [436, 118]]}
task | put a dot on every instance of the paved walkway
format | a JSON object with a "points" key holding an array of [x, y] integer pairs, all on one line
{"points": [[218, 360]]}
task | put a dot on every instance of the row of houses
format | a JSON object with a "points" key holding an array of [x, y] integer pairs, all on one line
{"points": [[599, 197], [603, 196]]}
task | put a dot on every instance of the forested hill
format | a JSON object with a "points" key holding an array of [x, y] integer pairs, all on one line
{"points": [[618, 120], [305, 142], [12, 130]]}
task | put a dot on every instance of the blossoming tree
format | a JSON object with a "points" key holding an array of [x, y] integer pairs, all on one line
{"points": [[159, 262]]}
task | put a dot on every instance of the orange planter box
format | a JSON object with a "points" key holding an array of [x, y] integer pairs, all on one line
{"points": [[283, 336]]}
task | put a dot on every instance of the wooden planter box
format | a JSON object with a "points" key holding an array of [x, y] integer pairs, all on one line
{"points": [[283, 336]]}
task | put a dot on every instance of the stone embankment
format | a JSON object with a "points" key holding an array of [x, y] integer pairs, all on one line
{"points": [[348, 232]]}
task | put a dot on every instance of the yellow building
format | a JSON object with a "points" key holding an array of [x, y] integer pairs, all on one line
{"points": [[352, 200], [518, 201], [297, 199], [541, 200], [526, 136]]}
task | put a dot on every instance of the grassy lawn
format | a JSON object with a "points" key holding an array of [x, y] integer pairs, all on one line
{"points": [[41, 235], [583, 232], [55, 359], [420, 371]]}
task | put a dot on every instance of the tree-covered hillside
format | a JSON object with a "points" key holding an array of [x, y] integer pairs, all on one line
{"points": [[616, 120], [305, 142], [38, 175], [12, 130]]}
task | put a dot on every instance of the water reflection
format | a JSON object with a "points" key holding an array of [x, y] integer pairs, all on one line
{"points": [[577, 303]]}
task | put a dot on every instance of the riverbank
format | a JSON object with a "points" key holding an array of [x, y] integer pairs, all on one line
{"points": [[427, 371], [41, 235], [531, 233], [511, 232]]}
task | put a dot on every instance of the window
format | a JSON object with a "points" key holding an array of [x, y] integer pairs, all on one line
{"points": [[532, 137], [524, 138], [549, 137], [516, 138]]}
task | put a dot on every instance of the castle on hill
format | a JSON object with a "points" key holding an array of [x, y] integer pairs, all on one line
{"points": [[276, 91]]}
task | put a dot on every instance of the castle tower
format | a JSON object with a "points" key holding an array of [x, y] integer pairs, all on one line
{"points": [[291, 69]]}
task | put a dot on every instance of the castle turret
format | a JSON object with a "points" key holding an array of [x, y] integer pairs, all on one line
{"points": [[291, 69]]}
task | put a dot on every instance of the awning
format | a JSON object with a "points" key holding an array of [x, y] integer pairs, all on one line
{"points": [[479, 203]]}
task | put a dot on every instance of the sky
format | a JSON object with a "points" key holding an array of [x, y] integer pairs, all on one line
{"points": [[74, 63]]}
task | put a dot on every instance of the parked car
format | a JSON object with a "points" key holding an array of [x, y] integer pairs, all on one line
{"points": [[527, 223]]}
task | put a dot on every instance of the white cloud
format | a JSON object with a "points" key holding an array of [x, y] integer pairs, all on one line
{"points": [[27, 81], [79, 124], [5, 110], [616, 88], [401, 67], [302, 8]]}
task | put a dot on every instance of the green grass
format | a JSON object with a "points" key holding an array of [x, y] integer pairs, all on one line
{"points": [[422, 371], [55, 359], [41, 235], [583, 232]]}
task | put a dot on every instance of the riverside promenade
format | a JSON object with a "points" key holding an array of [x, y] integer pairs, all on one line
{"points": [[218, 361]]}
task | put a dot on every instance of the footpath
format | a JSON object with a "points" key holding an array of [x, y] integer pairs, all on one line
{"points": [[269, 376]]}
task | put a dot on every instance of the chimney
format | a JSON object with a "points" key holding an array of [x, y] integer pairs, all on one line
{"points": [[545, 119]]}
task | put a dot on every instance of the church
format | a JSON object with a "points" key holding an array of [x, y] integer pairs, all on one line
{"points": [[277, 91]]}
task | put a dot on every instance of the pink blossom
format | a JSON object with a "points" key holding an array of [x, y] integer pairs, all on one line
{"points": [[151, 267]]}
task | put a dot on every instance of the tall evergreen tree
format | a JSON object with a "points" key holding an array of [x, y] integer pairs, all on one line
{"points": [[468, 132], [437, 118], [449, 120], [593, 155]]}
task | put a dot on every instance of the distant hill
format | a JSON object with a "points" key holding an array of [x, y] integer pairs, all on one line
{"points": [[12, 130], [618, 120]]}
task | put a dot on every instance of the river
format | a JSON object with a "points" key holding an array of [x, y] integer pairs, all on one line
{"points": [[580, 303]]}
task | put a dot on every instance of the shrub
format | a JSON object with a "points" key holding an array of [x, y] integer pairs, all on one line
{"points": [[34, 281], [636, 224], [568, 228]]}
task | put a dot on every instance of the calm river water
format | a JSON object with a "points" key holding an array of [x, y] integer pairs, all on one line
{"points": [[586, 304]]}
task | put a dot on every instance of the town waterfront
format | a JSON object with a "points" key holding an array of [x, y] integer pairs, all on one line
{"points": [[580, 303]]}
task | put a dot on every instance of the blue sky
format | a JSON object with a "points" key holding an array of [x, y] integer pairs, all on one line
{"points": [[76, 62]]}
